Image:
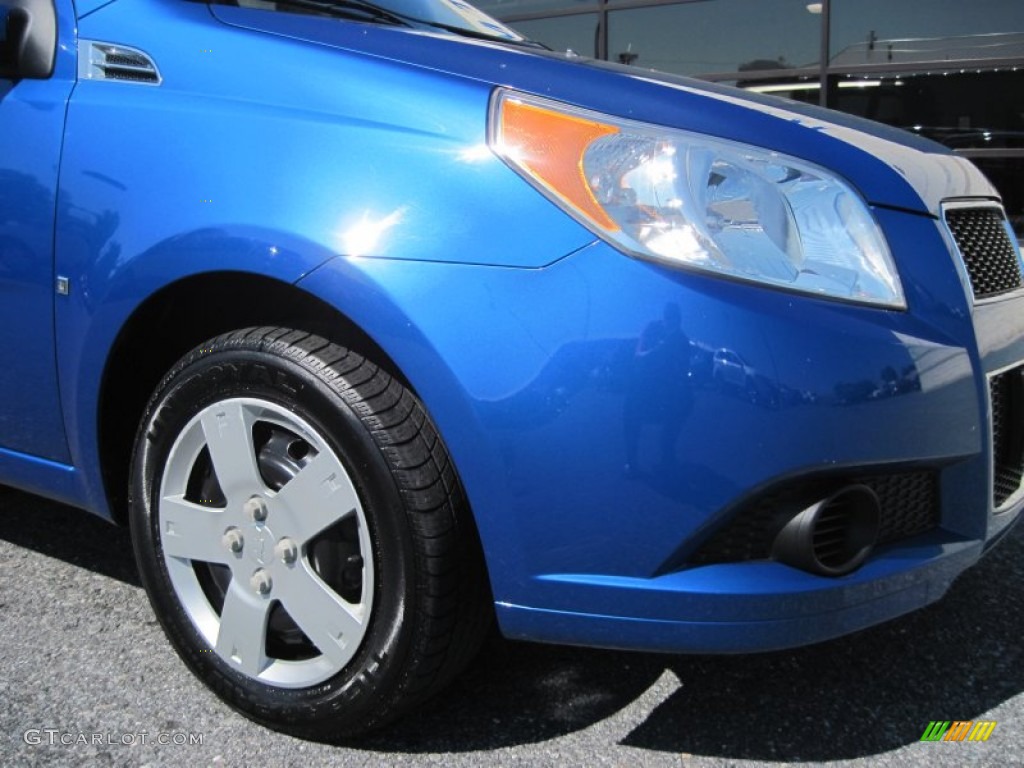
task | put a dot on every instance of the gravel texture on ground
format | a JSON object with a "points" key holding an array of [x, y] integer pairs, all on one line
{"points": [[84, 660]]}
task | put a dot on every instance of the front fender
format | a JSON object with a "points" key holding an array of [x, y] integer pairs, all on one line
{"points": [[259, 155]]}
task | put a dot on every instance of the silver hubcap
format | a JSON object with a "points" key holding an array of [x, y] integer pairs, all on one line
{"points": [[260, 560]]}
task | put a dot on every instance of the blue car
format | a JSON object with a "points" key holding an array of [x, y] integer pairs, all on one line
{"points": [[377, 322]]}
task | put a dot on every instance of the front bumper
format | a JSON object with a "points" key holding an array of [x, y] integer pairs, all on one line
{"points": [[758, 606], [606, 414]]}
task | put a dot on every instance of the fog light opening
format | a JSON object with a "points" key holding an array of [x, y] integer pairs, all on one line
{"points": [[833, 536]]}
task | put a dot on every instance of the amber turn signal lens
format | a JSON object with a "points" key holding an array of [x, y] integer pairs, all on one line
{"points": [[549, 146]]}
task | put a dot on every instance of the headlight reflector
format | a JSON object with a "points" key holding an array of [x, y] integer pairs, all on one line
{"points": [[699, 202]]}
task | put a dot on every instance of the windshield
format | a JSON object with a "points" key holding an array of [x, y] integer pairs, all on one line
{"points": [[454, 16]]}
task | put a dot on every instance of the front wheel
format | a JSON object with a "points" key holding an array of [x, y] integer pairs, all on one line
{"points": [[302, 534]]}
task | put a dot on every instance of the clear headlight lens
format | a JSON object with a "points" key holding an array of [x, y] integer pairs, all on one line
{"points": [[699, 202]]}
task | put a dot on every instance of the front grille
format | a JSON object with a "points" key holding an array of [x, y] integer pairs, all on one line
{"points": [[909, 504], [1007, 394], [984, 243]]}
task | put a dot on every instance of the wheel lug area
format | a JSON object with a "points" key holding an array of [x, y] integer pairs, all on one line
{"points": [[287, 550], [256, 509], [261, 582], [233, 540]]}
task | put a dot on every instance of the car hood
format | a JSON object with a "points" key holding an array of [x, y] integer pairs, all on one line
{"points": [[888, 166]]}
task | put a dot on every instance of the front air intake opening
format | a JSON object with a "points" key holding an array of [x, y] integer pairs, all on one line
{"points": [[827, 524], [1006, 392]]}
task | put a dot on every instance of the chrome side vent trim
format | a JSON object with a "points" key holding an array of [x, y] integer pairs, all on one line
{"points": [[107, 61]]}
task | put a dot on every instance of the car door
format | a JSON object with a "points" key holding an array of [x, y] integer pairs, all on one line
{"points": [[32, 108]]}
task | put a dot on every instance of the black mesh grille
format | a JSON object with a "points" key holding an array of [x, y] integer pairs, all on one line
{"points": [[909, 504], [751, 534], [986, 248], [909, 501], [1007, 391], [126, 59], [116, 63], [134, 75]]}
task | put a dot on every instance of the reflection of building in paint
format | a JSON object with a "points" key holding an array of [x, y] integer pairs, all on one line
{"points": [[931, 66]]}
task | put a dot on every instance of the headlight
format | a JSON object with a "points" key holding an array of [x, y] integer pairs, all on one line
{"points": [[694, 201]]}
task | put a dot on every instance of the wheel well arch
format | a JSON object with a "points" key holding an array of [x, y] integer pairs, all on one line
{"points": [[179, 317]]}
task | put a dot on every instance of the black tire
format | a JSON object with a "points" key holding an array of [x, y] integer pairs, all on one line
{"points": [[404, 562]]}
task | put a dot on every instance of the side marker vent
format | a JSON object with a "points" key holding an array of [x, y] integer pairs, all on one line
{"points": [[106, 61]]}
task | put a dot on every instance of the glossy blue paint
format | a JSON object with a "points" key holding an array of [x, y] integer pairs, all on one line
{"points": [[350, 160], [279, 216], [755, 607], [85, 7], [541, 434], [48, 478], [31, 132], [852, 147]]}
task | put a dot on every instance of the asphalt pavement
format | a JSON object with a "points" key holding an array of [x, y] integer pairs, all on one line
{"points": [[87, 679]]}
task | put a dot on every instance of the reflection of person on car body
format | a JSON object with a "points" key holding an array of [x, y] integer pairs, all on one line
{"points": [[662, 355]]}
